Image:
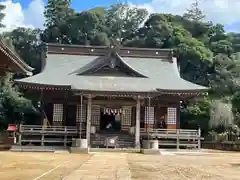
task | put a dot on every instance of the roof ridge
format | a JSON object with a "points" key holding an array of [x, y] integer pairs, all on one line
{"points": [[71, 49], [104, 47]]}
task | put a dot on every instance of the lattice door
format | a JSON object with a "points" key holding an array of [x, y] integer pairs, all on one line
{"points": [[149, 117], [172, 115], [57, 114], [126, 119], [84, 115], [96, 115]]}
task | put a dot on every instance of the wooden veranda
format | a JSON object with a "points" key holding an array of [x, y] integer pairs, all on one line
{"points": [[64, 135]]}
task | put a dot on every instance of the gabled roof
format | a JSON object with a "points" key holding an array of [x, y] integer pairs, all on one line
{"points": [[22, 67], [152, 70], [111, 60]]}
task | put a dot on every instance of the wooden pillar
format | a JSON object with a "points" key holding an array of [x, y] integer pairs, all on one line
{"points": [[65, 110], [65, 137], [20, 135], [199, 138], [178, 117], [89, 115], [137, 131], [178, 140], [42, 140]]}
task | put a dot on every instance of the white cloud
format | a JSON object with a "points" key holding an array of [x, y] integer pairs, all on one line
{"points": [[16, 16], [219, 11]]}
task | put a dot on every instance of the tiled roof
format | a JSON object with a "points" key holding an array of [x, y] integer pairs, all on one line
{"points": [[155, 74]]}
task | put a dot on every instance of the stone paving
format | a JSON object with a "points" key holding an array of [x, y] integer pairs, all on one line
{"points": [[103, 166]]}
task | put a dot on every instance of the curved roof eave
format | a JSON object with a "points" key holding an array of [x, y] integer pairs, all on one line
{"points": [[130, 67], [203, 89], [16, 59]]}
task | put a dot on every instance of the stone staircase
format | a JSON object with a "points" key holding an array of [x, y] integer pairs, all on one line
{"points": [[125, 140]]}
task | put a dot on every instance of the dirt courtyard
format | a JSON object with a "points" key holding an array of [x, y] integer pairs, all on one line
{"points": [[119, 166]]}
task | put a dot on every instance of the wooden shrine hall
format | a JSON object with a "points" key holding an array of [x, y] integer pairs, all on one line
{"points": [[98, 89], [11, 62]]}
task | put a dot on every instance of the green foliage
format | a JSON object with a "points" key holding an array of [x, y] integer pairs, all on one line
{"points": [[26, 43], [124, 20], [196, 113], [225, 79], [207, 55], [194, 13], [12, 103], [57, 13]]}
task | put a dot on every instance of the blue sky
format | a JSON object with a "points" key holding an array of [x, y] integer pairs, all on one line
{"points": [[29, 13], [79, 5]]}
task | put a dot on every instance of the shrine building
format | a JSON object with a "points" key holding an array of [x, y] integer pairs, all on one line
{"points": [[90, 87]]}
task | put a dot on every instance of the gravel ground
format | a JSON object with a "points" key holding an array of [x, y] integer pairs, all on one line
{"points": [[211, 166], [119, 166]]}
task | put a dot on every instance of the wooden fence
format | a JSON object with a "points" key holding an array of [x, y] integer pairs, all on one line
{"points": [[174, 137], [52, 134]]}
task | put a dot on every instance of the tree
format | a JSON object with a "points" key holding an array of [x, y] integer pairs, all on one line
{"points": [[82, 28], [2, 7], [207, 55], [124, 20], [12, 102], [197, 29], [196, 112], [225, 77], [156, 33], [222, 46], [56, 13], [234, 38], [26, 42], [194, 13]]}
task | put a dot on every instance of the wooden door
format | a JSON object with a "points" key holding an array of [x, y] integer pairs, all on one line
{"points": [[71, 115]]}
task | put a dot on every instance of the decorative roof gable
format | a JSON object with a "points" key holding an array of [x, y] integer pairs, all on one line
{"points": [[109, 65]]}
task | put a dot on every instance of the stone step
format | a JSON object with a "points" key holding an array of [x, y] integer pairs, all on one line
{"points": [[124, 140], [120, 144], [115, 135], [18, 148]]}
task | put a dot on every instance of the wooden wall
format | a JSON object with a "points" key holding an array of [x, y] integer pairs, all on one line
{"points": [[161, 109]]}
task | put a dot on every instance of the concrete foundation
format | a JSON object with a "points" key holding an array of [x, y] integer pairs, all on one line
{"points": [[150, 151], [79, 146], [81, 143], [79, 150], [150, 144]]}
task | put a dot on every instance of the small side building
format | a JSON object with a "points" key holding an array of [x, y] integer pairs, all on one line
{"points": [[89, 87], [11, 62]]}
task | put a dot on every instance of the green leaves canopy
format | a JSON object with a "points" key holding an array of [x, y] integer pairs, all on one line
{"points": [[207, 55]]}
